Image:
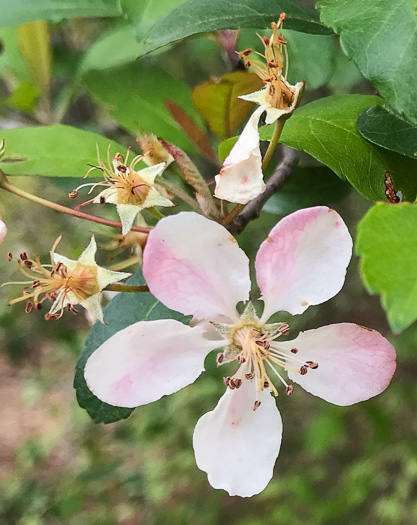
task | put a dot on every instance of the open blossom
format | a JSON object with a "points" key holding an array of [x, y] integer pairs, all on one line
{"points": [[66, 283], [3, 230], [130, 190], [195, 266], [241, 177]]}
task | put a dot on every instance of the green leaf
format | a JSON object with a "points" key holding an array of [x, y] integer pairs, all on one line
{"points": [[135, 95], [217, 102], [383, 128], [225, 147], [35, 45], [53, 151], [308, 186], [202, 16], [326, 129], [381, 37], [145, 13], [387, 244], [122, 311], [21, 11], [311, 58]]}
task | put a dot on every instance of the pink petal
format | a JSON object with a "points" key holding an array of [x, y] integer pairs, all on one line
{"points": [[303, 261], [3, 230], [193, 265], [236, 445], [241, 179], [355, 363], [146, 361]]}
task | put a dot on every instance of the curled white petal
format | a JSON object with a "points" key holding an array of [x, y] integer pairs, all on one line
{"points": [[241, 179]]}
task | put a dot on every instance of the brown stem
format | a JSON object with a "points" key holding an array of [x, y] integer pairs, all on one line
{"points": [[5, 185], [126, 288], [277, 180]]}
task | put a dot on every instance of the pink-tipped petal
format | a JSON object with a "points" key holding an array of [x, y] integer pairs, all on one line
{"points": [[193, 265], [303, 261], [241, 179], [236, 445], [146, 361], [354, 362]]}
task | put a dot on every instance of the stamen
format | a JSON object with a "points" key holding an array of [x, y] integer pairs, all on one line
{"points": [[256, 405]]}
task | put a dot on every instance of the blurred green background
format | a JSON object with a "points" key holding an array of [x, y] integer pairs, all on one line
{"points": [[337, 465]]}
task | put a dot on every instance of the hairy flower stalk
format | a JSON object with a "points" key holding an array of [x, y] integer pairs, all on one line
{"points": [[131, 191], [65, 283], [193, 265], [241, 177]]}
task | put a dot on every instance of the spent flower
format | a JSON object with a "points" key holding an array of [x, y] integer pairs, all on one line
{"points": [[241, 179], [65, 282], [131, 191], [193, 265]]}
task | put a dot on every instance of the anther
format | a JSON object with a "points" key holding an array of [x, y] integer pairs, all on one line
{"points": [[303, 370], [294, 350], [237, 383], [38, 305], [256, 405], [9, 256], [271, 63], [28, 264], [282, 17], [73, 194], [23, 256], [246, 52], [284, 329], [220, 358], [102, 200], [249, 376], [241, 359], [226, 380], [122, 168], [312, 365], [266, 40], [281, 40], [289, 390], [248, 63], [29, 307], [36, 283], [266, 384]]}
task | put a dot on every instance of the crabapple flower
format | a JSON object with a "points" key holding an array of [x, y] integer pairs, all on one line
{"points": [[241, 178], [131, 191], [3, 230], [194, 266], [66, 283]]}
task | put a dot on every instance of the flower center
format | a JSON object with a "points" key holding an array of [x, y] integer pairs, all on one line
{"points": [[254, 347]]}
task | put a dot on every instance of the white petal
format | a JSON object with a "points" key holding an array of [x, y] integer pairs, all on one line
{"points": [[193, 265], [236, 445], [303, 261], [241, 179], [355, 363], [3, 230], [69, 263], [146, 361], [127, 214]]}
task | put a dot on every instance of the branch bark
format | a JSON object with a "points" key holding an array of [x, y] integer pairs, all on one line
{"points": [[275, 183]]}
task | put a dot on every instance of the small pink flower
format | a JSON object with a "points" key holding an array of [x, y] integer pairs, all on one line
{"points": [[3, 230], [194, 266]]}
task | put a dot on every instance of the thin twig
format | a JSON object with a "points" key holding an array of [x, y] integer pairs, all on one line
{"points": [[5, 185], [116, 287], [277, 180]]}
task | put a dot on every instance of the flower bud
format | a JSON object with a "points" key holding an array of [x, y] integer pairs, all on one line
{"points": [[3, 230]]}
